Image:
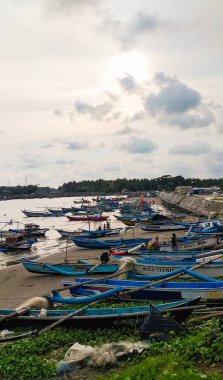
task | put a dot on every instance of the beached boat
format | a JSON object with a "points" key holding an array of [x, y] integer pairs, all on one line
{"points": [[34, 214], [90, 233], [163, 227], [67, 269], [30, 229], [214, 227], [98, 243], [147, 220], [98, 318], [183, 244], [164, 291], [16, 242], [142, 267]]}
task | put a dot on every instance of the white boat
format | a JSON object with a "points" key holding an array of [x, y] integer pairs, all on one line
{"points": [[213, 270]]}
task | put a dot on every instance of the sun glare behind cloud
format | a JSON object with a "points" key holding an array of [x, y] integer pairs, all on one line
{"points": [[132, 63]]}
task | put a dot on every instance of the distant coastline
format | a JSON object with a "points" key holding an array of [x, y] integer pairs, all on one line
{"points": [[50, 195]]}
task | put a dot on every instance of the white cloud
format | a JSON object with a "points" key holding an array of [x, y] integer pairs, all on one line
{"points": [[61, 96], [193, 148], [136, 145]]}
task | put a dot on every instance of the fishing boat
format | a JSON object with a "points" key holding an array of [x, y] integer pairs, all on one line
{"points": [[147, 220], [66, 269], [195, 243], [142, 267], [56, 211], [104, 232], [206, 228], [86, 218], [98, 243], [209, 289], [16, 242], [163, 227], [34, 214], [30, 229], [98, 318], [90, 233]]}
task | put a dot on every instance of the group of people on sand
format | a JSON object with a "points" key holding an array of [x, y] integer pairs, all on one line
{"points": [[155, 245], [105, 226]]}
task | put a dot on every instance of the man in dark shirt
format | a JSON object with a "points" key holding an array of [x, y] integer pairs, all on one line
{"points": [[174, 242]]}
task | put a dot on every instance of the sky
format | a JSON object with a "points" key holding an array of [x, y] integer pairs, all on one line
{"points": [[110, 89]]}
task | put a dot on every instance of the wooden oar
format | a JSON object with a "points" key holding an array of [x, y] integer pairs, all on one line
{"points": [[212, 315], [91, 269], [18, 337]]}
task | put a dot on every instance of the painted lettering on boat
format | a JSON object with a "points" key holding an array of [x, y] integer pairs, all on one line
{"points": [[149, 269], [129, 321]]}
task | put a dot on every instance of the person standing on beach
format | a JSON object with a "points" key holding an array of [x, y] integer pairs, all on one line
{"points": [[156, 244], [174, 241]]}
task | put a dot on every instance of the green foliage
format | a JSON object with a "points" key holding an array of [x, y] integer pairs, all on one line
{"points": [[167, 183], [101, 186], [35, 358], [178, 358], [161, 367]]}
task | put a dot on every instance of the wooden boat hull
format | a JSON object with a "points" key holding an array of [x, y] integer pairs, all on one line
{"points": [[209, 270], [98, 318], [90, 233], [34, 214], [68, 269], [100, 244], [163, 227], [87, 219], [165, 291], [143, 221]]}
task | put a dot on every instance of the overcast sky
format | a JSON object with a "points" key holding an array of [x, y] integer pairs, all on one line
{"points": [[110, 89]]}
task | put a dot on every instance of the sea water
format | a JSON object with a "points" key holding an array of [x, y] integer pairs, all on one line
{"points": [[11, 216]]}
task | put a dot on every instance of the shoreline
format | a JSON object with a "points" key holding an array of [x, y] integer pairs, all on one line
{"points": [[17, 284]]}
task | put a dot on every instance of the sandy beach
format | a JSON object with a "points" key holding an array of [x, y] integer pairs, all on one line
{"points": [[17, 284]]}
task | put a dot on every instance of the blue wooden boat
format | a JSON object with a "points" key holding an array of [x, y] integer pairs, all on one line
{"points": [[100, 318], [98, 243], [103, 232], [16, 242], [183, 244], [30, 229], [152, 218], [90, 233], [57, 298], [77, 269], [214, 227], [207, 289], [34, 214], [57, 212]]}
